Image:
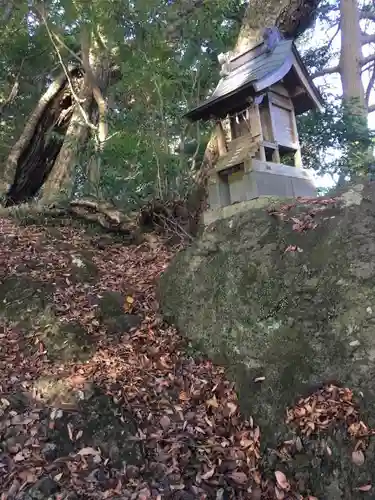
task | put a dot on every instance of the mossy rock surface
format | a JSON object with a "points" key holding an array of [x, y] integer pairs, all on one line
{"points": [[298, 319]]}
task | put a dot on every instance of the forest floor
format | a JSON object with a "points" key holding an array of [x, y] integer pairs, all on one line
{"points": [[99, 398]]}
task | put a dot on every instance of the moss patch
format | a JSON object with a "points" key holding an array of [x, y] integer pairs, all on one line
{"points": [[285, 323], [105, 425], [23, 299], [112, 315], [26, 303], [287, 316]]}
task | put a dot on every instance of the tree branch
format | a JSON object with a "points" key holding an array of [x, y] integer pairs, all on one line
{"points": [[367, 14], [41, 15], [13, 92], [371, 108], [365, 38], [63, 44], [326, 71], [334, 36], [368, 59]]}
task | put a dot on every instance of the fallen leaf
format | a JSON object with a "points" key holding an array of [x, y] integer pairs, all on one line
{"points": [[58, 476], [27, 476], [232, 408], [70, 432], [19, 457], [79, 434], [299, 444], [183, 396], [365, 487], [256, 494], [165, 422], [280, 495], [88, 451], [358, 457], [259, 379], [5, 403], [282, 480], [239, 477], [257, 477], [55, 414], [212, 402], [246, 443], [256, 434], [208, 474], [13, 489]]}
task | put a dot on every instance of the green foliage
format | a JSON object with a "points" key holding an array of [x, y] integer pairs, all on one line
{"points": [[168, 63], [336, 141], [167, 58]]}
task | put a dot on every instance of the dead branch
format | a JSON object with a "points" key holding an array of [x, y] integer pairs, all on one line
{"points": [[114, 217], [326, 71], [171, 225], [368, 59], [366, 38]]}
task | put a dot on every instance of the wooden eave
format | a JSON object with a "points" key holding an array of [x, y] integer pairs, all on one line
{"points": [[292, 69]]}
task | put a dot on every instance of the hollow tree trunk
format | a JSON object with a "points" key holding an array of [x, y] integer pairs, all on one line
{"points": [[90, 117], [59, 182], [44, 158], [30, 127], [292, 17], [32, 157]]}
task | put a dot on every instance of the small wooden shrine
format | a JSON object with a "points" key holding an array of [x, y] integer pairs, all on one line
{"points": [[255, 106]]}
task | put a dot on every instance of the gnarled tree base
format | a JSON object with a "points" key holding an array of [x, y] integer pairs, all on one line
{"points": [[170, 220], [36, 151]]}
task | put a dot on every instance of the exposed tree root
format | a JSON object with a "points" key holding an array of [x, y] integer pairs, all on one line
{"points": [[170, 219], [106, 215]]}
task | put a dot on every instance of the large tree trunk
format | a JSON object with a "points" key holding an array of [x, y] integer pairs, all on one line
{"points": [[359, 150], [44, 158], [351, 56], [292, 17], [32, 157], [59, 182]]}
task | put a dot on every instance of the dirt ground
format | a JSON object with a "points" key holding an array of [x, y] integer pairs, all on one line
{"points": [[100, 398]]}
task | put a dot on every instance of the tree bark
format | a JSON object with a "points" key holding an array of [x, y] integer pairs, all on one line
{"points": [[359, 151], [351, 57], [34, 154], [44, 158], [96, 68], [30, 127], [97, 77], [59, 183]]}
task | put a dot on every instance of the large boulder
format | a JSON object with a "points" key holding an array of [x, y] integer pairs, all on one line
{"points": [[284, 295]]}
